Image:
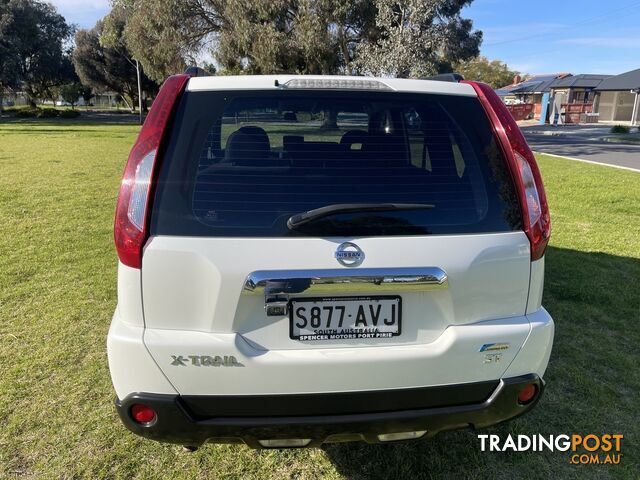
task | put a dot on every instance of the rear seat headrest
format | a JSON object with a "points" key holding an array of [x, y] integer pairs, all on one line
{"points": [[352, 137], [248, 145]]}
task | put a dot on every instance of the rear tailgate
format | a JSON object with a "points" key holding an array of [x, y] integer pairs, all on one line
{"points": [[240, 164], [200, 283]]}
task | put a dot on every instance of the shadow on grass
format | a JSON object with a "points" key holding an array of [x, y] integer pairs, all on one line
{"points": [[40, 131], [61, 127], [592, 383], [57, 131], [85, 120]]}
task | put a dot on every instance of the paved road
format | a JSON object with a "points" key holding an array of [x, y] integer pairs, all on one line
{"points": [[583, 143]]}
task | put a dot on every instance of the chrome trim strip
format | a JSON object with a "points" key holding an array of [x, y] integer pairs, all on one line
{"points": [[286, 282]]}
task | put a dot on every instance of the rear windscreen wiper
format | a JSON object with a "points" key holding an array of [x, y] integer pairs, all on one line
{"points": [[299, 219]]}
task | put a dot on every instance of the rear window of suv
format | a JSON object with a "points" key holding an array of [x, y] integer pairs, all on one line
{"points": [[241, 163]]}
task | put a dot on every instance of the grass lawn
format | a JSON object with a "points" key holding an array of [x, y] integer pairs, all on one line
{"points": [[58, 186]]}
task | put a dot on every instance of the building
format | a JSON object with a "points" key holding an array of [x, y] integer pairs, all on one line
{"points": [[534, 89], [573, 97], [577, 88], [566, 98], [619, 99], [529, 92]]}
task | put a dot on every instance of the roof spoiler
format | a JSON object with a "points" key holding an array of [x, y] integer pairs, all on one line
{"points": [[445, 77]]}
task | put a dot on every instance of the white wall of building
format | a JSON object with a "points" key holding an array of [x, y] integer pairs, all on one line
{"points": [[616, 106]]}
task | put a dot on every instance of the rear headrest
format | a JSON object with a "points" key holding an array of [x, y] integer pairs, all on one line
{"points": [[351, 137], [247, 146]]}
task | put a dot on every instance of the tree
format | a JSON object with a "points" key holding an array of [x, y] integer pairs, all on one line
{"points": [[210, 68], [164, 35], [71, 92], [32, 38], [8, 53], [495, 73], [87, 94], [402, 37], [107, 68], [418, 38]]}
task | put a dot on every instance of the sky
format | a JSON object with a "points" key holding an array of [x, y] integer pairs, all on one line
{"points": [[549, 36], [545, 36], [82, 13]]}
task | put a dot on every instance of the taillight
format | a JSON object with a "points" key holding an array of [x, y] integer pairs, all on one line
{"points": [[523, 166], [131, 222]]}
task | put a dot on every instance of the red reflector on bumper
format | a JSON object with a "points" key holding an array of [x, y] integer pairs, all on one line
{"points": [[527, 394], [143, 414]]}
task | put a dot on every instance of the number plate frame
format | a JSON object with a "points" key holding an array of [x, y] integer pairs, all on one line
{"points": [[359, 298]]}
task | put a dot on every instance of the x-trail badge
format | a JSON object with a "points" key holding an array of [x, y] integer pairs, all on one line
{"points": [[349, 254]]}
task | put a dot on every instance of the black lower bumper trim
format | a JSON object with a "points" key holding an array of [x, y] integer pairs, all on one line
{"points": [[341, 403], [188, 422]]}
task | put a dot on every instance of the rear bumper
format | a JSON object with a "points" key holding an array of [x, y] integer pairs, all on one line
{"points": [[250, 419]]}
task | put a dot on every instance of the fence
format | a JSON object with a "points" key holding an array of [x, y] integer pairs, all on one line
{"points": [[521, 111], [575, 112]]}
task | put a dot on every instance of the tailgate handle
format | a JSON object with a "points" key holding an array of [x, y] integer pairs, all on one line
{"points": [[277, 285]]}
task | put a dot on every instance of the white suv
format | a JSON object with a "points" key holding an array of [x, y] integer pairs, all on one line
{"points": [[309, 259]]}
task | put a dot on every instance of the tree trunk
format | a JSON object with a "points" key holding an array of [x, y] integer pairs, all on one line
{"points": [[124, 99], [345, 50]]}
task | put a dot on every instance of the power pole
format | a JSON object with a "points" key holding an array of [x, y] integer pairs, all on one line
{"points": [[139, 91]]}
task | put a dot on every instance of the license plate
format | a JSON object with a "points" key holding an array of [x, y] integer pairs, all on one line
{"points": [[344, 318]]}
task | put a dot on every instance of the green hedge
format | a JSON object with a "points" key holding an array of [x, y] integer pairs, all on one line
{"points": [[45, 113], [27, 112], [68, 113], [619, 129], [48, 113]]}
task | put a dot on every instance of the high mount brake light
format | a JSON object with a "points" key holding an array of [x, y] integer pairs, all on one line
{"points": [[336, 83], [523, 166], [131, 222]]}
